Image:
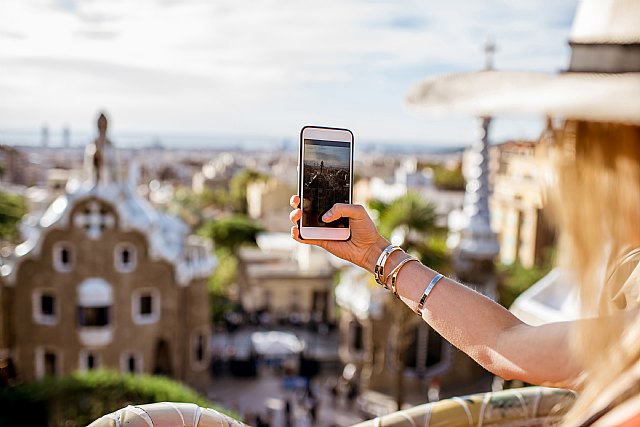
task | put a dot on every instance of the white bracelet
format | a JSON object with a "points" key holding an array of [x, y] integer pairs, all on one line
{"points": [[432, 284]]}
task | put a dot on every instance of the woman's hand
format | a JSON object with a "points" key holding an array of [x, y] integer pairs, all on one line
{"points": [[365, 244]]}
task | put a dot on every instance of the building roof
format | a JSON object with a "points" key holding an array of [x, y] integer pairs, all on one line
{"points": [[167, 236], [554, 298]]}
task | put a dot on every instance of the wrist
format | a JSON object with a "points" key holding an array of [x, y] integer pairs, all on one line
{"points": [[373, 253], [393, 261]]}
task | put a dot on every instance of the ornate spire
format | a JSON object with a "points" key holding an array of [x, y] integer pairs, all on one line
{"points": [[100, 156], [478, 245], [478, 240], [489, 52]]}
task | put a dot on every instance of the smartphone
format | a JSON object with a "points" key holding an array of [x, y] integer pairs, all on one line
{"points": [[325, 175]]}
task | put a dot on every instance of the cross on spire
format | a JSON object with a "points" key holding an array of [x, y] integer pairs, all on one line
{"points": [[94, 220], [489, 52]]}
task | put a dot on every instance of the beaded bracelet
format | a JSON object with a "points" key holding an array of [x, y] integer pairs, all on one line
{"points": [[426, 293], [394, 274], [378, 272]]}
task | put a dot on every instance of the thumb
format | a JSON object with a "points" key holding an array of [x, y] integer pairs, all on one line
{"points": [[343, 210]]}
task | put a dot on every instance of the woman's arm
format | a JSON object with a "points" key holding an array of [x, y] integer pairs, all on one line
{"points": [[489, 333], [480, 327]]}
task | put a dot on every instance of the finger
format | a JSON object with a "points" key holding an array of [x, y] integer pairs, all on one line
{"points": [[343, 210], [295, 234], [295, 215], [294, 201]]}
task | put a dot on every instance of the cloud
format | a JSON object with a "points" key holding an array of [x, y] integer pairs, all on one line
{"points": [[259, 57]]}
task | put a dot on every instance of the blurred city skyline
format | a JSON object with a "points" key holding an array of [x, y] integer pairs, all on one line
{"points": [[267, 68]]}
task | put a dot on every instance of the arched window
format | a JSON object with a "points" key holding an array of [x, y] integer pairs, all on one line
{"points": [[145, 306], [48, 362], [199, 349], [45, 307], [95, 303], [356, 337], [63, 257], [89, 360], [131, 362], [125, 257]]}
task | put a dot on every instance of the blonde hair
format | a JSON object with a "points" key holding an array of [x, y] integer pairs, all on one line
{"points": [[596, 172]]}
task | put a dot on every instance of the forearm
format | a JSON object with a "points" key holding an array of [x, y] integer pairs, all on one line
{"points": [[478, 326], [486, 331]]}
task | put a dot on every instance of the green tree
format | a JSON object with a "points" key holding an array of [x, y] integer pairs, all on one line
{"points": [[515, 278], [231, 232], [445, 177], [220, 283], [80, 398], [410, 214], [215, 197], [448, 179], [238, 188], [12, 209], [415, 218], [187, 205], [228, 234]]}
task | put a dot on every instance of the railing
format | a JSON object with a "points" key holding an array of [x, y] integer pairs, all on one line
{"points": [[531, 407], [166, 414]]}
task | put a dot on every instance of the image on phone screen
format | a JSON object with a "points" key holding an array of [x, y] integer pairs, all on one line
{"points": [[326, 180]]}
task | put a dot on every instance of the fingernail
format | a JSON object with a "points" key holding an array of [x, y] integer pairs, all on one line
{"points": [[326, 216]]}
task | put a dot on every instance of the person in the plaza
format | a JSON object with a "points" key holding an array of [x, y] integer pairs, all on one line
{"points": [[590, 162]]}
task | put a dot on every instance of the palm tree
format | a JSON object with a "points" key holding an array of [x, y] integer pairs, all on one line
{"points": [[406, 221], [408, 218]]}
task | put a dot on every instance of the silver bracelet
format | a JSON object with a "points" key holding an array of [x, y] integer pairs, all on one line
{"points": [[378, 271], [432, 284]]}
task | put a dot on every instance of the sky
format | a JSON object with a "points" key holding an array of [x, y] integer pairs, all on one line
{"points": [[332, 156], [263, 67]]}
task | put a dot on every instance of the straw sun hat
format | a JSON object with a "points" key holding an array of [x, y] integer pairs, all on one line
{"points": [[601, 84]]}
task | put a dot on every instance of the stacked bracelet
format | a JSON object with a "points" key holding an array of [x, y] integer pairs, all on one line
{"points": [[426, 293], [378, 272], [394, 274]]}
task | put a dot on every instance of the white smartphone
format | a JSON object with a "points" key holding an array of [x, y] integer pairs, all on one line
{"points": [[325, 175]]}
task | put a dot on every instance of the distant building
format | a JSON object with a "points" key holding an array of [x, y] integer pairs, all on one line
{"points": [[13, 165], [104, 280], [407, 178], [516, 205], [57, 180], [216, 173], [285, 280], [44, 136], [66, 137], [268, 203]]}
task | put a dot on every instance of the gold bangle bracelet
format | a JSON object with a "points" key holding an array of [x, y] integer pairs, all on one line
{"points": [[394, 274], [378, 272]]}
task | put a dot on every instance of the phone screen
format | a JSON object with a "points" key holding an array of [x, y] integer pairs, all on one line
{"points": [[326, 180]]}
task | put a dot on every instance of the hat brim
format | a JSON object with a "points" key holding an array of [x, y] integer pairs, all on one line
{"points": [[585, 96]]}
